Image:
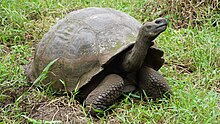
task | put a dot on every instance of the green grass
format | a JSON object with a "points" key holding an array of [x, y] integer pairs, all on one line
{"points": [[192, 65]]}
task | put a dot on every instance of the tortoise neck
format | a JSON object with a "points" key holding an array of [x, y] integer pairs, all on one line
{"points": [[134, 58]]}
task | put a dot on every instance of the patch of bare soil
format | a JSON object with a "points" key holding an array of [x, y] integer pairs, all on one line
{"points": [[56, 109], [59, 109], [9, 95]]}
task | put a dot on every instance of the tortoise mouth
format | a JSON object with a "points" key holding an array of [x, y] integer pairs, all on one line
{"points": [[161, 27]]}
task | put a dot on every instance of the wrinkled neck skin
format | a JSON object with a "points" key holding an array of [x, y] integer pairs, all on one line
{"points": [[134, 58]]}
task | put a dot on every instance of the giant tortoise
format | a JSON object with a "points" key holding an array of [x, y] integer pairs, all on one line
{"points": [[102, 53]]}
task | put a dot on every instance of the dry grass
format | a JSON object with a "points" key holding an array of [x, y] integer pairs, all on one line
{"points": [[184, 13]]}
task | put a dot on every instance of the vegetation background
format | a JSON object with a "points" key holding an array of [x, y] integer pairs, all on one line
{"points": [[192, 67]]}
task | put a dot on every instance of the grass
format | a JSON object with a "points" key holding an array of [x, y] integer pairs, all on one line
{"points": [[192, 67]]}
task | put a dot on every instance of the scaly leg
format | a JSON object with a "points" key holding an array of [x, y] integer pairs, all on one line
{"points": [[153, 83], [104, 94]]}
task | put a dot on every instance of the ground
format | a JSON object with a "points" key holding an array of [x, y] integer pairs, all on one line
{"points": [[192, 64]]}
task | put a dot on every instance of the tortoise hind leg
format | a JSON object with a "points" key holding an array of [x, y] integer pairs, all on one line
{"points": [[153, 83], [104, 94]]}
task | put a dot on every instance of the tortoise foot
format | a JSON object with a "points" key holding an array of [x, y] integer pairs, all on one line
{"points": [[153, 83], [104, 94]]}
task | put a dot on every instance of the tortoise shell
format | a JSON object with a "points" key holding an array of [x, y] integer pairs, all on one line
{"points": [[84, 41]]}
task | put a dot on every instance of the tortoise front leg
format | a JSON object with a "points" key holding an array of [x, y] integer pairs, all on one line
{"points": [[153, 83], [104, 94]]}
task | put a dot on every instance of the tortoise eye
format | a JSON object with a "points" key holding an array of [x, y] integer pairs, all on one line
{"points": [[158, 21], [148, 27]]}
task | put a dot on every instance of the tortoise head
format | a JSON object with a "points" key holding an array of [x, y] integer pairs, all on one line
{"points": [[152, 29], [147, 33]]}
